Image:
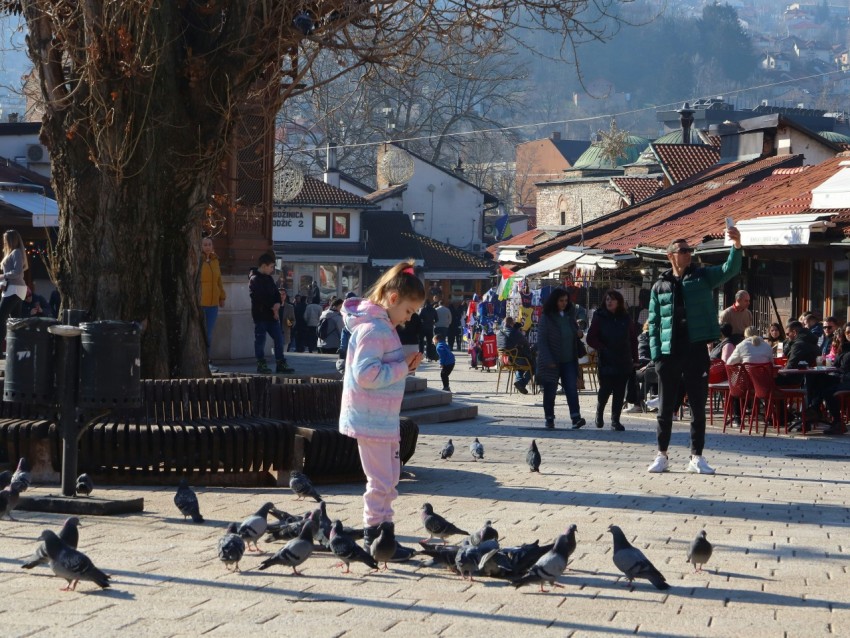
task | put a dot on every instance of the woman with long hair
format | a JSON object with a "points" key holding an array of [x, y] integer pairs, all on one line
{"points": [[612, 334], [12, 279], [774, 336], [557, 359]]}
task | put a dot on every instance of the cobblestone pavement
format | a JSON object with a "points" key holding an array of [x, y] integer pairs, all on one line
{"points": [[776, 512]]}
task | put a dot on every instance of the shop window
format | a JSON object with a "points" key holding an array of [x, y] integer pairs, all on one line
{"points": [[342, 225], [327, 279], [321, 225], [350, 279]]}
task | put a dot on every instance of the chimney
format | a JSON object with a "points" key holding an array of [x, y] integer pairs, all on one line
{"points": [[13, 118], [686, 118], [458, 169], [331, 172], [556, 135]]}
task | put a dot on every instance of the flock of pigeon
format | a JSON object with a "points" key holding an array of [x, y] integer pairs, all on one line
{"points": [[476, 449], [477, 554]]}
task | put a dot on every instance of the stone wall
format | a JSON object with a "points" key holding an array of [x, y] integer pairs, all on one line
{"points": [[597, 200]]}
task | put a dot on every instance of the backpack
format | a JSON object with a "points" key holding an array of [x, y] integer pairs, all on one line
{"points": [[324, 328]]}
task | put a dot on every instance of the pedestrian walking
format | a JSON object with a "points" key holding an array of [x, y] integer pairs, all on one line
{"points": [[212, 291], [12, 279], [265, 305]]}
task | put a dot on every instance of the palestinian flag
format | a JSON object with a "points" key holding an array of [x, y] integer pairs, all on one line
{"points": [[506, 284]]}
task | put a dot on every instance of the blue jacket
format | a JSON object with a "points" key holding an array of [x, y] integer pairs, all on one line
{"points": [[447, 357]]}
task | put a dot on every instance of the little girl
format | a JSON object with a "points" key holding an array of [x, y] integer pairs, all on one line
{"points": [[373, 388]]}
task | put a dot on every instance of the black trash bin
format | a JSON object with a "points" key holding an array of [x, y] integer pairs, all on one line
{"points": [[29, 361], [110, 364]]}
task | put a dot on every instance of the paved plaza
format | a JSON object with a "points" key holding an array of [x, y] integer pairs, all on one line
{"points": [[776, 512]]}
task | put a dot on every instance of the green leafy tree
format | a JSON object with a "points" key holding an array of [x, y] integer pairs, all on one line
{"points": [[723, 39]]}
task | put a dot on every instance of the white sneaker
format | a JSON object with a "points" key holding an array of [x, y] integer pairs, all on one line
{"points": [[652, 404], [633, 408], [660, 464], [698, 465]]}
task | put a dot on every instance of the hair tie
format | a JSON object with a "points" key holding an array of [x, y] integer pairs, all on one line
{"points": [[409, 271]]}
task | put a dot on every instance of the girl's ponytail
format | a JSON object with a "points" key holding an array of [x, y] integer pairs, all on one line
{"points": [[400, 279]]}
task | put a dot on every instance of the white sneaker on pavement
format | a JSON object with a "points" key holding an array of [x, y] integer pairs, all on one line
{"points": [[698, 465], [633, 408], [652, 404], [660, 464]]}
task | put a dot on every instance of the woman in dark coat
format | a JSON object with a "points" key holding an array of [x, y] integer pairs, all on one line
{"points": [[612, 334], [557, 336]]}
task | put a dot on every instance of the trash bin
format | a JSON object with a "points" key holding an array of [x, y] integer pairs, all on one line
{"points": [[29, 361], [110, 364]]}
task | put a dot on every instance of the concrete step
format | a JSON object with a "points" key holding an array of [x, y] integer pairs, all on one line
{"points": [[415, 384], [442, 414], [425, 399]]}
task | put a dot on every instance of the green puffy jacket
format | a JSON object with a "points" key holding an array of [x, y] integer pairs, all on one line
{"points": [[697, 285]]}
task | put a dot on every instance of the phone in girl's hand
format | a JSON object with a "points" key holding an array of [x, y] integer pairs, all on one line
{"points": [[730, 223]]}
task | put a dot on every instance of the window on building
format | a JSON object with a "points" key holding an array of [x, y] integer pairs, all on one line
{"points": [[563, 218], [342, 225], [328, 279], [321, 225], [350, 279]]}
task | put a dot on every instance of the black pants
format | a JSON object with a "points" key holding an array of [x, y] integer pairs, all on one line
{"points": [[454, 337], [426, 344], [445, 371], [611, 384], [10, 308], [688, 370]]}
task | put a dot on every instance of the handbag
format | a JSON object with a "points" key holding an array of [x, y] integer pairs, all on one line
{"points": [[581, 350]]}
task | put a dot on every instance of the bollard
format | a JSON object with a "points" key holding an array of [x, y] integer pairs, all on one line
{"points": [[68, 358]]}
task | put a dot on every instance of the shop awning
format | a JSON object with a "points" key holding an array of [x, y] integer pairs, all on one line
{"points": [[550, 264], [45, 211], [782, 230]]}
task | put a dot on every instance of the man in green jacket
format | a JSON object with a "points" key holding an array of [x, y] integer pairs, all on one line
{"points": [[682, 320]]}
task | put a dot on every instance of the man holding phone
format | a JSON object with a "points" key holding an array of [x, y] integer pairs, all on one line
{"points": [[681, 323]]}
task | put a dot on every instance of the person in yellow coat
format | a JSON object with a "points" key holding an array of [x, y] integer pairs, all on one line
{"points": [[212, 290]]}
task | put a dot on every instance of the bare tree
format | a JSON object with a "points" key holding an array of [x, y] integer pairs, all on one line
{"points": [[142, 100]]}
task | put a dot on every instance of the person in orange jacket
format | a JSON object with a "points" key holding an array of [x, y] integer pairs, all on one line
{"points": [[212, 289]]}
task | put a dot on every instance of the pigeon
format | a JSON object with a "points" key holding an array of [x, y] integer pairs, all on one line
{"points": [[441, 555], [468, 557], [22, 475], [85, 485], [532, 457], [511, 562], [347, 550], [9, 498], [255, 526], [447, 451], [70, 564], [231, 547], [383, 548], [294, 552], [301, 485], [700, 551], [437, 526], [187, 501], [5, 479], [552, 564], [477, 450], [320, 526], [69, 534], [632, 562], [525, 556], [288, 531], [486, 533]]}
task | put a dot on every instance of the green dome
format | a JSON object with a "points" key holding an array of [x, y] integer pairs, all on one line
{"points": [[675, 137], [592, 157], [837, 138]]}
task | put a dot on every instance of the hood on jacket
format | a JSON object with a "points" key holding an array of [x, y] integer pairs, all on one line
{"points": [[474, 297], [356, 311], [253, 270]]}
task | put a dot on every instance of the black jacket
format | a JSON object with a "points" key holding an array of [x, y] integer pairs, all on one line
{"points": [[264, 295], [411, 332], [615, 339], [803, 348]]}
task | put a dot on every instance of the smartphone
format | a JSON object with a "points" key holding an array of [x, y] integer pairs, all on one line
{"points": [[730, 223]]}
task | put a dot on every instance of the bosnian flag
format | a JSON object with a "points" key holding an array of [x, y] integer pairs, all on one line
{"points": [[506, 284], [503, 228]]}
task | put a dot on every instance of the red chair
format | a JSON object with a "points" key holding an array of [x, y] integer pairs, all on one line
{"points": [[763, 377], [740, 390]]}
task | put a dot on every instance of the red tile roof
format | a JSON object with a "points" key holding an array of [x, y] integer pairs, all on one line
{"points": [[638, 188], [680, 212], [682, 161], [316, 193], [528, 238]]}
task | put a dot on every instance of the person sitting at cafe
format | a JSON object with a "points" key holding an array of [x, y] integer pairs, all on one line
{"points": [[34, 305], [753, 349], [510, 337], [723, 348]]}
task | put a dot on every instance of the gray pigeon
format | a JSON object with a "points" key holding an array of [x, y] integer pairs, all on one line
{"points": [[512, 562], [700, 551], [294, 552], [347, 550], [22, 475], [70, 564], [5, 479], [84, 485], [468, 557], [383, 548], [437, 526], [301, 485], [552, 564], [441, 555], [231, 547], [632, 562], [255, 526], [9, 498], [447, 451], [477, 450], [287, 531], [187, 501], [69, 534], [486, 533], [532, 457]]}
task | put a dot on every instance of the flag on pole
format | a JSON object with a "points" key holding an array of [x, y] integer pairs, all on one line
{"points": [[503, 228], [507, 282]]}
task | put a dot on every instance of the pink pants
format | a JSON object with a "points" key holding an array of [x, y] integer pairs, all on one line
{"points": [[382, 467]]}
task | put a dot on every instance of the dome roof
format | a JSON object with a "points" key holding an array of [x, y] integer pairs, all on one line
{"points": [[675, 137], [592, 157], [832, 136]]}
